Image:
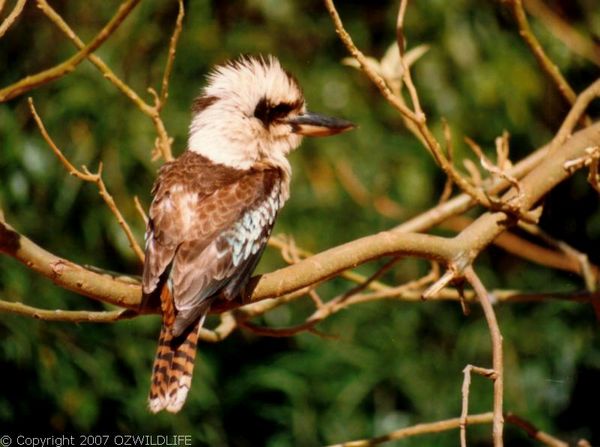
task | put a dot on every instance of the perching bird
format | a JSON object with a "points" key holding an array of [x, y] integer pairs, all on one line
{"points": [[214, 207]]}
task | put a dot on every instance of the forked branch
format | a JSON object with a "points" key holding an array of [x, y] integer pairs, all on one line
{"points": [[66, 67]]}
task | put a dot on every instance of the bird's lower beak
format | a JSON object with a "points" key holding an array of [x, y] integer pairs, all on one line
{"points": [[314, 125]]}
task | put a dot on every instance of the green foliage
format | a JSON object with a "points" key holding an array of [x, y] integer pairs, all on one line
{"points": [[390, 364]]}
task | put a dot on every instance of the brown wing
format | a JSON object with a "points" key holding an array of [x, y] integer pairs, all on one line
{"points": [[204, 237], [181, 185], [231, 232]]}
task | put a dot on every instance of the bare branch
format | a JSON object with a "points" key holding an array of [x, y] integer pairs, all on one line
{"points": [[87, 176], [94, 59], [465, 399], [564, 32], [12, 16], [578, 109], [164, 90], [222, 331], [419, 429], [51, 74], [540, 55], [362, 286], [414, 97], [588, 271], [72, 316], [163, 141], [140, 209], [534, 432], [447, 191], [279, 332], [440, 284], [497, 355]]}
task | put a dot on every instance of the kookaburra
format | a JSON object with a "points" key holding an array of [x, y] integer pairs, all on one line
{"points": [[213, 208]]}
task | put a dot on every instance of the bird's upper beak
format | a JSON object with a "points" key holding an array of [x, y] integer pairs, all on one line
{"points": [[314, 125]]}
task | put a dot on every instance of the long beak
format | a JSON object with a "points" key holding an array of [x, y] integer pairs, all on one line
{"points": [[314, 125]]}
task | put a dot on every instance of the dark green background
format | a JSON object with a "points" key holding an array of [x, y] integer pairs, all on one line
{"points": [[391, 364]]}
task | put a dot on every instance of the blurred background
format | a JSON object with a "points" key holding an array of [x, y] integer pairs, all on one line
{"points": [[388, 364]]}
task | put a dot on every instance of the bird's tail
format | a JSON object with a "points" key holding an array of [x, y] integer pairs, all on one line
{"points": [[173, 369]]}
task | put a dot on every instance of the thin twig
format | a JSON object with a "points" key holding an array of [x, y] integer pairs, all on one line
{"points": [[493, 169], [363, 285], [448, 184], [12, 16], [564, 31], [164, 90], [419, 429], [578, 109], [549, 67], [51, 74], [225, 328], [72, 316], [534, 432], [163, 141], [414, 97], [94, 59], [400, 40], [87, 176], [351, 183], [465, 397], [588, 271], [497, 353], [140, 209], [440, 284], [278, 332], [411, 291]]}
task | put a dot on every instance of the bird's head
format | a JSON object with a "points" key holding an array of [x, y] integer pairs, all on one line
{"points": [[253, 111]]}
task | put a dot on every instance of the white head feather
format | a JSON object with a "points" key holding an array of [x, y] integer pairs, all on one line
{"points": [[227, 127]]}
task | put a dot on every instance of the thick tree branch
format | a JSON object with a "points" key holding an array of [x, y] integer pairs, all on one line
{"points": [[67, 274], [326, 264]]}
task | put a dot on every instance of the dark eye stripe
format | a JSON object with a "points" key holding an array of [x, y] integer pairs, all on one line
{"points": [[268, 113], [281, 110]]}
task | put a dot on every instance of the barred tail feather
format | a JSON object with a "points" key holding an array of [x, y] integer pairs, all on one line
{"points": [[173, 369]]}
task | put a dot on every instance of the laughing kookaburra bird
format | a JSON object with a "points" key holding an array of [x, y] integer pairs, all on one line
{"points": [[214, 207]]}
